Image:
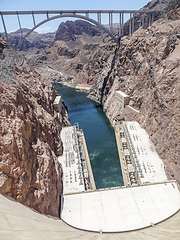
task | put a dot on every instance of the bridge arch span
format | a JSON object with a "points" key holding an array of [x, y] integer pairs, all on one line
{"points": [[69, 16]]}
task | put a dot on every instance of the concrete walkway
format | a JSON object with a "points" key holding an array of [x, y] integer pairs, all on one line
{"points": [[18, 222]]}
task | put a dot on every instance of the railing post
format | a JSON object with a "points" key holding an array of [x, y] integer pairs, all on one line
{"points": [[33, 19], [140, 21], [120, 25], [143, 21], [109, 21], [149, 20], [19, 24], [4, 28], [152, 17], [87, 14], [99, 17], [123, 24], [130, 24], [133, 24]]}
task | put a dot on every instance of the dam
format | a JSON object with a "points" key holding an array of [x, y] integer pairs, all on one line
{"points": [[140, 203], [142, 200]]}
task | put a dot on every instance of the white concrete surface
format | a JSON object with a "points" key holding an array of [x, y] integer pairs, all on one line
{"points": [[151, 165], [122, 98], [119, 209], [124, 209], [58, 104], [18, 222], [71, 163]]}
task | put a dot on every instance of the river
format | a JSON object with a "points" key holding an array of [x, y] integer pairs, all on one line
{"points": [[99, 134]]}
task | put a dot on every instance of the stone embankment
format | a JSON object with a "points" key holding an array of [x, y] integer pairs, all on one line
{"points": [[146, 67], [29, 136]]}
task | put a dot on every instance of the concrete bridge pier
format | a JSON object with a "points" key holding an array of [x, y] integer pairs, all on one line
{"points": [[121, 26]]}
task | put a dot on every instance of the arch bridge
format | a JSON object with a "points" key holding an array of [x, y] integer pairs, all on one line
{"points": [[87, 15]]}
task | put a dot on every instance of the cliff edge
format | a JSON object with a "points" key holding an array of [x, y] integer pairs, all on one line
{"points": [[29, 136], [146, 67]]}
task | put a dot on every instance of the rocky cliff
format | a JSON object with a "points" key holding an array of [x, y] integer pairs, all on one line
{"points": [[67, 60], [70, 30], [146, 66], [34, 43], [29, 136]]}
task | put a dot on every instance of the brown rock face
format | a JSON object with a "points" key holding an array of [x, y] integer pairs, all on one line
{"points": [[147, 67], [174, 13], [67, 60], [30, 141], [2, 44]]}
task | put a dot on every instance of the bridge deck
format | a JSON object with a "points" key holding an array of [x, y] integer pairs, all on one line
{"points": [[75, 11]]}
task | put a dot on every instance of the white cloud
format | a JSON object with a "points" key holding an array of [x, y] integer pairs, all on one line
{"points": [[43, 29]]}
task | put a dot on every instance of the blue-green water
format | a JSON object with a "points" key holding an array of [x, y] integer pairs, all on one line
{"points": [[99, 134]]}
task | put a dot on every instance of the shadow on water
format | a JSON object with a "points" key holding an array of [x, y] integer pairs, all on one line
{"points": [[84, 108]]}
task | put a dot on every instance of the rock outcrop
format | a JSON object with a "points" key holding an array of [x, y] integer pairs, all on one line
{"points": [[70, 30], [146, 67], [29, 136], [34, 43], [67, 60], [165, 6], [2, 44]]}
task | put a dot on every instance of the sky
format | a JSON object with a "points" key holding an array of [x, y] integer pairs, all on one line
{"points": [[30, 5]]}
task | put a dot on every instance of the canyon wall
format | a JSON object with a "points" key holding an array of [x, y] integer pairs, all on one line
{"points": [[67, 59], [29, 135], [33, 44], [146, 67]]}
